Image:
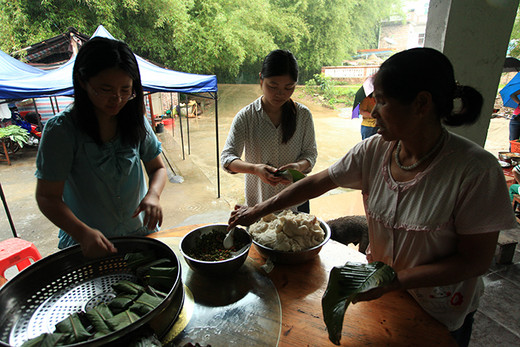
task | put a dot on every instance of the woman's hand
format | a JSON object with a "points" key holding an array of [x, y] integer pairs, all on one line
{"points": [[241, 215], [376, 293], [266, 174], [294, 166], [95, 245], [153, 215]]}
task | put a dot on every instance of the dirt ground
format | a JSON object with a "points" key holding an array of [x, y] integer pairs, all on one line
{"points": [[193, 160]]}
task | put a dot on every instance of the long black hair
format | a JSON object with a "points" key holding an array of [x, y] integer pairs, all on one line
{"points": [[278, 63], [405, 74], [95, 56]]}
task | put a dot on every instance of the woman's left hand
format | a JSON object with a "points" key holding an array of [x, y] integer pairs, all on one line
{"points": [[153, 215], [376, 293]]}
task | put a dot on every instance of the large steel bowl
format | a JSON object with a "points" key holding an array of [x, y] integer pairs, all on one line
{"points": [[214, 268], [297, 257], [65, 282]]}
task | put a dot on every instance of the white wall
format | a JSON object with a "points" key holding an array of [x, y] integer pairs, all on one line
{"points": [[474, 35]]}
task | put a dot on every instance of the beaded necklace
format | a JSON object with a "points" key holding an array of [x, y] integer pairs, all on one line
{"points": [[421, 160]]}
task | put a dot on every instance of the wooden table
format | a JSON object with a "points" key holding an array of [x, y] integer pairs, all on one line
{"points": [[392, 320]]}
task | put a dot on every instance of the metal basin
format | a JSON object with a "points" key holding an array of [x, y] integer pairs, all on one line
{"points": [[214, 268], [66, 282], [283, 257]]}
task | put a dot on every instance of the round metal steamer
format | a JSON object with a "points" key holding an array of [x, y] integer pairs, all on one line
{"points": [[282, 257], [66, 282]]}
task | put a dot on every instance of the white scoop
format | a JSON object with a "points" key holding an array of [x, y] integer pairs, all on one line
{"points": [[228, 240]]}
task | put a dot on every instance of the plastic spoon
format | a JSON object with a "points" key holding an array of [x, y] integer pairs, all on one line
{"points": [[228, 240]]}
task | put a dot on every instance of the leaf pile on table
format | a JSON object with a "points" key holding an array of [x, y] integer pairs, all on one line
{"points": [[155, 278], [345, 283]]}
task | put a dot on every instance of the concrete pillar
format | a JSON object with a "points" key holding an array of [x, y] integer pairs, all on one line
{"points": [[474, 35]]}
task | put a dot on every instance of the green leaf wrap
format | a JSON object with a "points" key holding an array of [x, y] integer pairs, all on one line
{"points": [[344, 284]]}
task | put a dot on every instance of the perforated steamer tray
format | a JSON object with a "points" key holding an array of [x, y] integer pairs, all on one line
{"points": [[66, 282]]}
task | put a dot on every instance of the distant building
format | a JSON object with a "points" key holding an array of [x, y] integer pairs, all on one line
{"points": [[398, 34], [54, 51], [395, 35]]}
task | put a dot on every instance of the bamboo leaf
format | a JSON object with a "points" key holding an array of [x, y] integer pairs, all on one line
{"points": [[344, 284], [291, 175]]}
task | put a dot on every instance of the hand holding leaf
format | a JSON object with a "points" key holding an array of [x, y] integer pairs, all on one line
{"points": [[345, 283]]}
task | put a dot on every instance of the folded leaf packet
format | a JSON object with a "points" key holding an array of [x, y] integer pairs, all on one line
{"points": [[345, 283]]}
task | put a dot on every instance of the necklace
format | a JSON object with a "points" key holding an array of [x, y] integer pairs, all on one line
{"points": [[421, 160]]}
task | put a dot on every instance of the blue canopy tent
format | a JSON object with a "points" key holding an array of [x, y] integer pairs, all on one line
{"points": [[23, 81], [11, 68]]}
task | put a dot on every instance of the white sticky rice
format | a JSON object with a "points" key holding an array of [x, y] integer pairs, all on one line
{"points": [[288, 231]]}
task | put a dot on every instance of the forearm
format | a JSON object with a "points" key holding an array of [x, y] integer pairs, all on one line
{"points": [[157, 181], [515, 98], [471, 260], [240, 166], [297, 193], [448, 271]]}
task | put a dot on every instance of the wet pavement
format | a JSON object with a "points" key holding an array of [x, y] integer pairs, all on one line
{"points": [[196, 200]]}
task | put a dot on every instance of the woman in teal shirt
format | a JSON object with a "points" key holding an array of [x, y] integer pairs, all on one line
{"points": [[90, 179]]}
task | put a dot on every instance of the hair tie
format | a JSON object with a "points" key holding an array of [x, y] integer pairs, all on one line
{"points": [[459, 91]]}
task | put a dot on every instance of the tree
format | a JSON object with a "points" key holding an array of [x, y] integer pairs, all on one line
{"points": [[228, 38], [514, 41]]}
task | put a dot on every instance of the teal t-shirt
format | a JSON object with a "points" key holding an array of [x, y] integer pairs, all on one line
{"points": [[103, 184]]}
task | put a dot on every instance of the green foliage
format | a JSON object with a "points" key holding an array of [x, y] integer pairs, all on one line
{"points": [[332, 92], [514, 42], [228, 38], [15, 133]]}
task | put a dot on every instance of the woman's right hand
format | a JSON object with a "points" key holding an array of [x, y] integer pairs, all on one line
{"points": [[241, 215], [95, 245], [266, 174]]}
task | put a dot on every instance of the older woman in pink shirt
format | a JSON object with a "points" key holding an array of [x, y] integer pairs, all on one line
{"points": [[433, 215]]}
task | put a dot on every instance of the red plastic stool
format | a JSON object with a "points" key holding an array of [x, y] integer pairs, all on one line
{"points": [[16, 251]]}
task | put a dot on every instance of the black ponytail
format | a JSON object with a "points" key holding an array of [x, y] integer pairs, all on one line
{"points": [[471, 101], [405, 74]]}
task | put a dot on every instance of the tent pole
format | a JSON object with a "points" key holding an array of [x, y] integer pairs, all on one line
{"points": [[151, 111], [182, 136], [57, 104], [216, 137], [52, 105], [38, 116], [171, 115], [7, 211], [187, 124]]}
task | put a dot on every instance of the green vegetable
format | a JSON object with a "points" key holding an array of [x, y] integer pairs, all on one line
{"points": [[121, 302], [47, 340], [72, 325], [345, 283], [162, 277], [15, 133], [155, 292], [143, 270], [291, 174], [210, 247], [145, 303], [98, 317], [134, 260], [122, 320], [125, 286], [35, 341]]}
